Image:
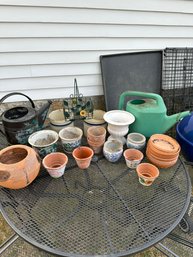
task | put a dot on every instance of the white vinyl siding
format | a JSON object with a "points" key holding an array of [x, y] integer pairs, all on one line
{"points": [[45, 44]]}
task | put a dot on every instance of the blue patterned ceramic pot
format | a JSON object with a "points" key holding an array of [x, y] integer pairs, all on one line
{"points": [[71, 138], [136, 141], [113, 150], [44, 142]]}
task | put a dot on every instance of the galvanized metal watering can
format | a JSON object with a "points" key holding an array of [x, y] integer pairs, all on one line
{"points": [[150, 113], [20, 122]]}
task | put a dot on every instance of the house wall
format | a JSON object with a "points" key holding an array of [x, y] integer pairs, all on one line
{"points": [[45, 44]]}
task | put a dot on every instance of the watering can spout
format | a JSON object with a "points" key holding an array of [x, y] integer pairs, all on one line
{"points": [[42, 113], [174, 118]]}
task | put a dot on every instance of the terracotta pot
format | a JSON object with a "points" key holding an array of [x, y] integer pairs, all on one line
{"points": [[55, 164], [147, 173], [164, 143], [162, 163], [132, 157], [160, 157], [161, 154], [162, 150], [96, 134], [19, 166], [83, 156], [96, 147]]}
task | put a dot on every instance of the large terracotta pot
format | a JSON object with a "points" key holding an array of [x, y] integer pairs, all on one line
{"points": [[19, 166]]}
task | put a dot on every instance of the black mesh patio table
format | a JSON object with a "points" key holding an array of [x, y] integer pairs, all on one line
{"points": [[100, 211]]}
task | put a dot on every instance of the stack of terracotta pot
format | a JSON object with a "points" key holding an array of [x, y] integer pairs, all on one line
{"points": [[162, 150], [96, 137]]}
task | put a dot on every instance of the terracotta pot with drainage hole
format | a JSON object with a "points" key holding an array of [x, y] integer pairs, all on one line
{"points": [[19, 166]]}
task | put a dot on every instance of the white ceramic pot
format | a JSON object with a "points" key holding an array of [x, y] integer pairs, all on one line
{"points": [[118, 123], [71, 138], [57, 120], [136, 140]]}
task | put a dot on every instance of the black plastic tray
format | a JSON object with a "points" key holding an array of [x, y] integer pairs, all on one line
{"points": [[139, 71]]}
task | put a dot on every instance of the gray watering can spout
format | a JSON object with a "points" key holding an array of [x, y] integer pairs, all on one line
{"points": [[174, 118], [42, 113]]}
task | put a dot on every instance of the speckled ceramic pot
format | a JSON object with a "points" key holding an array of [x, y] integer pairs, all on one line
{"points": [[44, 142], [70, 138], [113, 150], [136, 140]]}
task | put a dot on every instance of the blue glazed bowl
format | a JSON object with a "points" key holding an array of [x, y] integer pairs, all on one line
{"points": [[184, 136]]}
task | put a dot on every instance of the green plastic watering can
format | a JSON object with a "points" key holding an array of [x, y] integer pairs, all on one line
{"points": [[150, 113]]}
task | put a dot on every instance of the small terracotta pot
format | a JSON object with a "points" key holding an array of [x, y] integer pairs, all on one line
{"points": [[55, 164], [96, 133], [83, 156], [147, 173], [19, 166], [132, 157], [96, 146]]}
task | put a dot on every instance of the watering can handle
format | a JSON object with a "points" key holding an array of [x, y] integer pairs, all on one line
{"points": [[156, 97], [17, 93]]}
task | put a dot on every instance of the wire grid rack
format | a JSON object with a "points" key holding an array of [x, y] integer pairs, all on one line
{"points": [[177, 80]]}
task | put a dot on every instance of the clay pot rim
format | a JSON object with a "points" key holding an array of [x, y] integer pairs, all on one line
{"points": [[95, 123], [157, 152], [70, 129], [161, 151], [96, 127], [27, 148], [143, 140], [63, 124], [51, 154], [171, 140], [161, 157], [150, 165], [30, 139], [134, 151], [83, 147], [162, 164]]}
